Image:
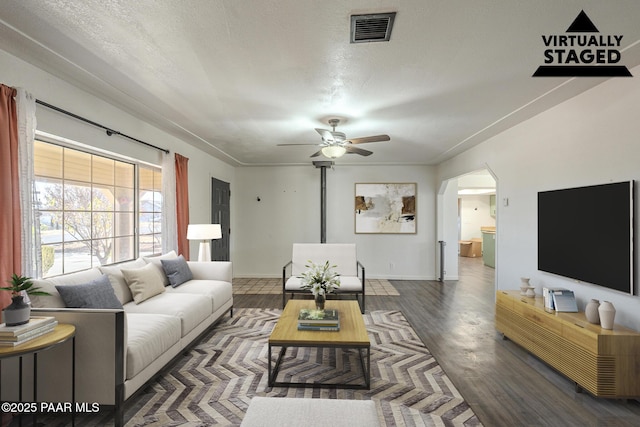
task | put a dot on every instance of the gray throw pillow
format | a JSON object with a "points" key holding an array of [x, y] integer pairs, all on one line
{"points": [[96, 294], [177, 270]]}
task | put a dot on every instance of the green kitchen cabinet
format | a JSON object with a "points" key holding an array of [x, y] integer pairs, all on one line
{"points": [[489, 248]]}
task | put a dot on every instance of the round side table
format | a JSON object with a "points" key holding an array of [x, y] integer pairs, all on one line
{"points": [[60, 334]]}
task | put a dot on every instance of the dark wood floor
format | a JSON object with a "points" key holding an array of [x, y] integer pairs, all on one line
{"points": [[504, 384]]}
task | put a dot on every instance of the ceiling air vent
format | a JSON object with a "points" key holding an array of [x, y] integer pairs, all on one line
{"points": [[371, 28]]}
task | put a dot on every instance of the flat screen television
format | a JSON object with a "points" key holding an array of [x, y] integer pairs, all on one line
{"points": [[586, 234]]}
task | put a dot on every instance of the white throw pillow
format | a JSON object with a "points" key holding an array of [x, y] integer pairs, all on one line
{"points": [[117, 280], [157, 261], [144, 282]]}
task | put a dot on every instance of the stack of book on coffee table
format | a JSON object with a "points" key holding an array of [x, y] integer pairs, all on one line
{"points": [[11, 336], [318, 320]]}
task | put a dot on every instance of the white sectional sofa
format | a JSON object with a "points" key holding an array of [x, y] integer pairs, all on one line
{"points": [[118, 350]]}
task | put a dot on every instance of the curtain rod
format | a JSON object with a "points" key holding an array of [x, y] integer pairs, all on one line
{"points": [[108, 130]]}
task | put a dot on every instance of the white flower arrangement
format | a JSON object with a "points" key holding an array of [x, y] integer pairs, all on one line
{"points": [[320, 278]]}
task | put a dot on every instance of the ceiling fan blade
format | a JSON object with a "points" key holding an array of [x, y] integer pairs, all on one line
{"points": [[356, 150], [325, 134], [308, 143], [365, 139], [316, 154]]}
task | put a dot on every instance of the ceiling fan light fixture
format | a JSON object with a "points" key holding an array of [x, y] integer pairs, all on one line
{"points": [[333, 151]]}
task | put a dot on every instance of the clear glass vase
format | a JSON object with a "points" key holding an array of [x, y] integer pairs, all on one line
{"points": [[320, 299]]}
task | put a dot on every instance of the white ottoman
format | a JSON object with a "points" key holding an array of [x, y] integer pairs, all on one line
{"points": [[290, 411]]}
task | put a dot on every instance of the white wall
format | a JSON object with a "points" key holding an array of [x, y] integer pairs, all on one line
{"points": [[289, 211], [475, 212], [447, 230], [48, 88], [589, 139]]}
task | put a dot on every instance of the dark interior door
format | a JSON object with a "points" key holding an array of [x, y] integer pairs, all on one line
{"points": [[220, 214]]}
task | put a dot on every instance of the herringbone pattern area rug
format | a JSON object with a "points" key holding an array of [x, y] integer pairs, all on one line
{"points": [[213, 384], [274, 286]]}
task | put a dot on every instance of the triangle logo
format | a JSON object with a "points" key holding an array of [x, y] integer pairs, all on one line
{"points": [[582, 24], [582, 52]]}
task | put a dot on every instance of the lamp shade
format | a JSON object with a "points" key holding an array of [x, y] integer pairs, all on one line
{"points": [[334, 151], [204, 231]]}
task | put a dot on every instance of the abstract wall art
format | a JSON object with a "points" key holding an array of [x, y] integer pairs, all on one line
{"points": [[385, 208]]}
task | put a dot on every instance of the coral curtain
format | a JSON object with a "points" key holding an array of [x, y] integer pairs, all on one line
{"points": [[182, 203], [10, 230]]}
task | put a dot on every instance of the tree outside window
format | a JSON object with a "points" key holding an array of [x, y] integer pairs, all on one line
{"points": [[87, 209]]}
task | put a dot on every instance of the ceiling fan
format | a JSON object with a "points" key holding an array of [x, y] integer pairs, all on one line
{"points": [[335, 144]]}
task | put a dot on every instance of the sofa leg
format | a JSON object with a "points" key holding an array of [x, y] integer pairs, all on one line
{"points": [[118, 417], [118, 411]]}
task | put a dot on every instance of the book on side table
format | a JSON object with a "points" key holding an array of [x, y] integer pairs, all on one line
{"points": [[11, 336], [318, 320]]}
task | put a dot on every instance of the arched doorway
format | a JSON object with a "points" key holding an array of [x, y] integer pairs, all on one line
{"points": [[468, 212]]}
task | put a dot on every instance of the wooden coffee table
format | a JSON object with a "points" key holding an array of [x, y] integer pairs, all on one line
{"points": [[352, 334]]}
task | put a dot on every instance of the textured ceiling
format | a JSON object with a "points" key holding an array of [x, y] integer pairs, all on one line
{"points": [[237, 77]]}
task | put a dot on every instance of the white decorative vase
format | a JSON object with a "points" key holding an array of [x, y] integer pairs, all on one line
{"points": [[524, 285], [607, 314], [591, 311]]}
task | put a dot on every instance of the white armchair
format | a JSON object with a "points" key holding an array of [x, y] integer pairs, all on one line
{"points": [[342, 255]]}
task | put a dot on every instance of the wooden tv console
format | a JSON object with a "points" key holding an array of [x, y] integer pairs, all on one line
{"points": [[604, 362]]}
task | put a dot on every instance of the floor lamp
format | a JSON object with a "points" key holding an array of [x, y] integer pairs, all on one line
{"points": [[205, 233]]}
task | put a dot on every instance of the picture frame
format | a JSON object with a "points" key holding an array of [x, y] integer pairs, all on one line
{"points": [[385, 208]]}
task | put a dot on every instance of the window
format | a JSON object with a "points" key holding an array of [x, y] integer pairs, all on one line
{"points": [[150, 211], [87, 205]]}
